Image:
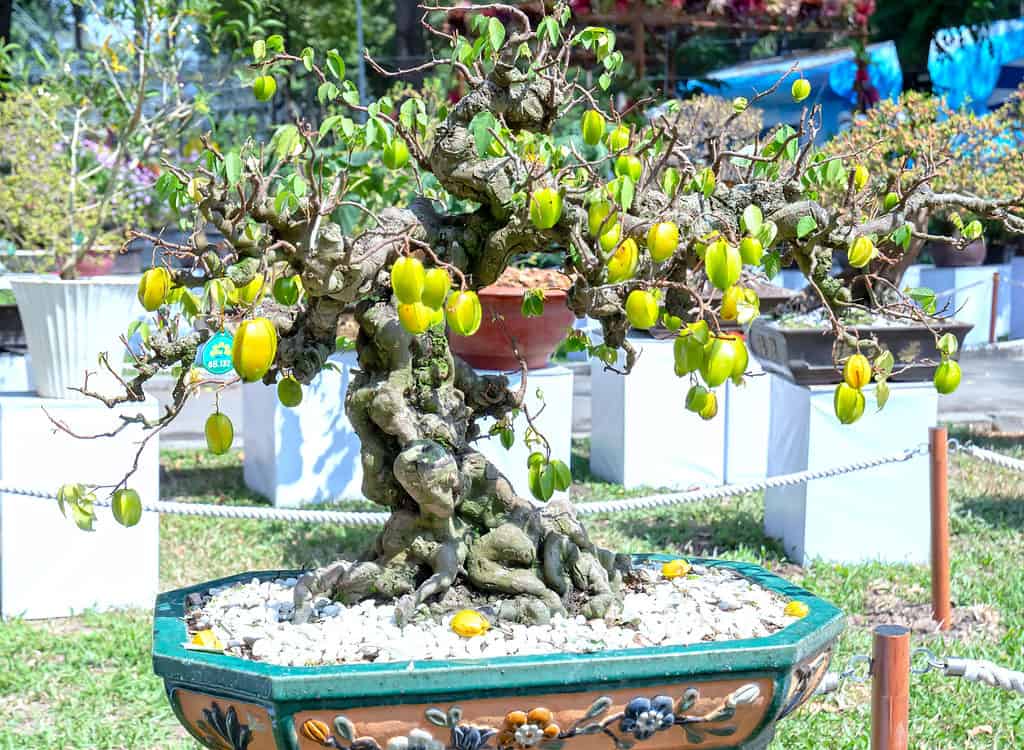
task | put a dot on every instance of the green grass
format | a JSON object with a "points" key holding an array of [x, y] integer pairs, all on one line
{"points": [[86, 682]]}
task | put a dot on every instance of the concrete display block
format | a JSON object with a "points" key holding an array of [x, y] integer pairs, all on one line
{"points": [[972, 305], [309, 454], [15, 373], [1015, 292], [554, 422], [641, 432], [747, 422], [877, 514], [48, 566]]}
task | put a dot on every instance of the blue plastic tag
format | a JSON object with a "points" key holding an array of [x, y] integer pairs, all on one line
{"points": [[216, 358]]}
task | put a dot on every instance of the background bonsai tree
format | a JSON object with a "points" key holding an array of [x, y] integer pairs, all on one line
{"points": [[85, 131], [646, 236], [918, 139]]}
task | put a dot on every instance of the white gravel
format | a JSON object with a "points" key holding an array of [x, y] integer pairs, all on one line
{"points": [[710, 604]]}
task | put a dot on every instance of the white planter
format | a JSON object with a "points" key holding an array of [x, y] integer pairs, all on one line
{"points": [[69, 323]]}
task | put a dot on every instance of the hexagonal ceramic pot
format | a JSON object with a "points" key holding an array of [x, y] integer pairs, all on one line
{"points": [[707, 696]]}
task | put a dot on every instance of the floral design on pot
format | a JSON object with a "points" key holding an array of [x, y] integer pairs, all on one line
{"points": [[643, 716], [222, 730]]}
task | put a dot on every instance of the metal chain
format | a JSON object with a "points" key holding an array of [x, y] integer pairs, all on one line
{"points": [[973, 670], [728, 490], [988, 456], [370, 518], [834, 681]]}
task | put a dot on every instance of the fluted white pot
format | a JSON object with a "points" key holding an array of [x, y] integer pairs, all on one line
{"points": [[69, 323]]}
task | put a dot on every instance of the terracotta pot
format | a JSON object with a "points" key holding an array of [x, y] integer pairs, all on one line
{"points": [[742, 688], [537, 338], [945, 255], [95, 264]]}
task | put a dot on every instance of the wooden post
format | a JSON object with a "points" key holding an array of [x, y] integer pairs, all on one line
{"points": [[941, 598], [995, 308], [890, 688]]}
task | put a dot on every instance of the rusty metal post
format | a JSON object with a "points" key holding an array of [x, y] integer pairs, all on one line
{"points": [[890, 688], [994, 314], [938, 440], [639, 46]]}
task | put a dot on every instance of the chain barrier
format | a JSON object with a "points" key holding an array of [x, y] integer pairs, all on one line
{"points": [[371, 518], [980, 671], [991, 457]]}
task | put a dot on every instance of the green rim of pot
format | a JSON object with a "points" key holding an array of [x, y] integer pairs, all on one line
{"points": [[434, 680]]}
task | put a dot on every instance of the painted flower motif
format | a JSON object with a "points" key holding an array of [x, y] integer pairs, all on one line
{"points": [[644, 717], [470, 738], [417, 739], [523, 730]]}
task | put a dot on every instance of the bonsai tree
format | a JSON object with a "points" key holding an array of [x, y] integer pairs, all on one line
{"points": [[646, 237], [918, 139], [86, 131]]}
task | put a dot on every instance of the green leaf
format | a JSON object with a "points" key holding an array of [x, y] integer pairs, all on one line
{"points": [[307, 58], [326, 92], [881, 394], [604, 81], [923, 296], [752, 220], [563, 477], [902, 236], [884, 363], [972, 231], [478, 127], [533, 303], [835, 173], [335, 64], [275, 42], [549, 28], [670, 181], [805, 226], [233, 168], [547, 483], [772, 263], [769, 230], [259, 50], [495, 33], [623, 190], [285, 141], [948, 344]]}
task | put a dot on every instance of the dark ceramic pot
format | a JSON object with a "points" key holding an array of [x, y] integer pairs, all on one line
{"points": [[945, 255], [537, 338], [804, 355], [12, 332], [708, 696]]}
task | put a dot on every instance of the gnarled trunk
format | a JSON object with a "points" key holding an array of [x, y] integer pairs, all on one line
{"points": [[458, 534]]}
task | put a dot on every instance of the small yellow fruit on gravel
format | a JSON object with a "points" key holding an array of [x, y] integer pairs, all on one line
{"points": [[797, 609], [468, 623], [675, 569]]}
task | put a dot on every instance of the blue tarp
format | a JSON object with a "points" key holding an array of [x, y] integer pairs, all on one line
{"points": [[965, 66], [831, 76]]}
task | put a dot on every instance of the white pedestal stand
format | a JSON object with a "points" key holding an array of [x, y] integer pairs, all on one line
{"points": [[641, 432], [972, 305], [554, 422], [306, 454], [877, 514], [48, 566], [747, 423]]}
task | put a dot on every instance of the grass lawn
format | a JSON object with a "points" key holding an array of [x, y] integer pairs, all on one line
{"points": [[86, 682]]}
